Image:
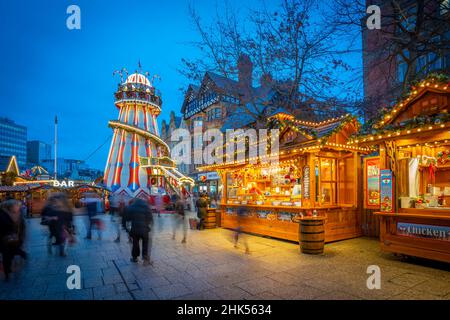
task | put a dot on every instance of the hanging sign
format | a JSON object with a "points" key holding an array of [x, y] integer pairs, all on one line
{"points": [[306, 182], [386, 193], [372, 182]]}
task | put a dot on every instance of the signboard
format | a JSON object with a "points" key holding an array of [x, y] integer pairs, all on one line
{"points": [[306, 182], [63, 183], [386, 193], [372, 182], [212, 176], [423, 231], [208, 176]]}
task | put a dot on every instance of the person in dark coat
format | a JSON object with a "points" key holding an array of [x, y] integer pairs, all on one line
{"points": [[12, 234], [94, 222], [58, 215], [140, 216], [202, 210]]}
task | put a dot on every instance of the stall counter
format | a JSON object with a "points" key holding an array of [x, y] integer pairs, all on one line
{"points": [[282, 222], [417, 232]]}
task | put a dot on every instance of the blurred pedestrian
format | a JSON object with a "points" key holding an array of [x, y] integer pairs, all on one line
{"points": [[179, 218], [238, 234], [12, 234], [202, 210], [113, 206], [141, 218], [58, 215], [94, 221]]}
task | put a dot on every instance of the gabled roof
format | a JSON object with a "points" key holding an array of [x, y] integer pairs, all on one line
{"points": [[415, 95], [192, 90], [229, 86], [9, 164]]}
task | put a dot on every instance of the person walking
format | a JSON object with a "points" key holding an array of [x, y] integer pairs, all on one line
{"points": [[94, 221], [141, 218], [58, 215], [241, 213], [202, 210], [113, 206], [179, 218], [12, 234]]}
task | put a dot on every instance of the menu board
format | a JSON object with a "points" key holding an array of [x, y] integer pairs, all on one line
{"points": [[306, 182], [372, 182], [386, 194]]}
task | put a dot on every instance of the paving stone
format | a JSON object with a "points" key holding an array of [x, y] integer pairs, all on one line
{"points": [[146, 294], [104, 291], [93, 282], [208, 267], [83, 294], [408, 280], [171, 291]]}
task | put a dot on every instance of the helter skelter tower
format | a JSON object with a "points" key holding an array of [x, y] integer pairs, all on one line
{"points": [[139, 161]]}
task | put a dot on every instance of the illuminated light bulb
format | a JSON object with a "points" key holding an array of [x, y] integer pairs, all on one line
{"points": [[409, 131], [442, 125], [418, 130]]}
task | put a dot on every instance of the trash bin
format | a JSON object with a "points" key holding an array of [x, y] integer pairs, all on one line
{"points": [[312, 235]]}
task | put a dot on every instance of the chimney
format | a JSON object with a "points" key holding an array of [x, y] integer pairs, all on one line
{"points": [[245, 70]]}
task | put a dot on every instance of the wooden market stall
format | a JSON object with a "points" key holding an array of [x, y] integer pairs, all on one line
{"points": [[413, 144], [316, 175]]}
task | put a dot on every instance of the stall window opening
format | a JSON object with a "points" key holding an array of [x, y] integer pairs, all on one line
{"points": [[327, 181]]}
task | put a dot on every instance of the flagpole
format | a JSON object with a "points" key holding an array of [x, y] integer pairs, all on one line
{"points": [[56, 146]]}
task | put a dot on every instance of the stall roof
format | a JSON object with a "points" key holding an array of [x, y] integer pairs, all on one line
{"points": [[309, 136], [425, 112], [9, 164], [14, 188]]}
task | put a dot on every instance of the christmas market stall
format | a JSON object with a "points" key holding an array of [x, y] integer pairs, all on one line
{"points": [[316, 175], [407, 181]]}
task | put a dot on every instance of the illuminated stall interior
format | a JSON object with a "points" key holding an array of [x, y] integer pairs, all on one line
{"points": [[316, 174], [413, 141]]}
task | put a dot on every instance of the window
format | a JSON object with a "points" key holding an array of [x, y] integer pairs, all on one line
{"points": [[197, 122], [327, 181], [213, 114]]}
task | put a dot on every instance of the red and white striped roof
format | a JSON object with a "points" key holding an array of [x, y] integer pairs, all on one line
{"points": [[138, 78]]}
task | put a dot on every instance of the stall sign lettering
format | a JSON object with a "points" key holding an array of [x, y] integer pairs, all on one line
{"points": [[63, 183], [423, 231], [306, 179], [386, 194], [372, 183]]}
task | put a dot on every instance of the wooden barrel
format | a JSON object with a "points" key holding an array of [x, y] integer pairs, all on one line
{"points": [[312, 235], [210, 220]]}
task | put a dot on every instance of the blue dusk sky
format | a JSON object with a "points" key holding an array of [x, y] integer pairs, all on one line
{"points": [[49, 70]]}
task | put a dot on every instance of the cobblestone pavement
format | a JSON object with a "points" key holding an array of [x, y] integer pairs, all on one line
{"points": [[209, 267]]}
